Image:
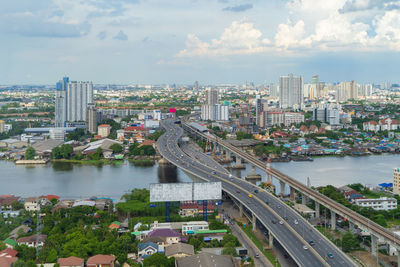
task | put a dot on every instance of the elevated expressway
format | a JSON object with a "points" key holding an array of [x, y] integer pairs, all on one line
{"points": [[376, 231], [293, 234]]}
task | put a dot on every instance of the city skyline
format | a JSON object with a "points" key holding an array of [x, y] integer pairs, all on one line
{"points": [[126, 42]]}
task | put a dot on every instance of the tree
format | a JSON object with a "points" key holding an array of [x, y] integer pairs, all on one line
{"points": [[66, 151], [159, 260], [349, 242], [116, 148], [30, 153], [229, 238]]}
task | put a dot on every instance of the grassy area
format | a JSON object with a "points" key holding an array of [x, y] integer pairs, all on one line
{"points": [[267, 252]]}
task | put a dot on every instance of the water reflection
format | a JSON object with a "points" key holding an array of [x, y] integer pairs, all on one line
{"points": [[62, 166]]}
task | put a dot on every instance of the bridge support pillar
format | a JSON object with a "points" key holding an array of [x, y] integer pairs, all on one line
{"points": [[317, 212], [282, 184], [253, 177], [292, 194], [374, 246], [270, 240], [351, 227], [240, 210], [333, 220], [238, 163], [228, 155], [398, 256], [254, 222], [303, 199]]}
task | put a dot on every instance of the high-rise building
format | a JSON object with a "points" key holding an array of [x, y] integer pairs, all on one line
{"points": [[79, 95], [61, 102], [2, 126], [72, 99], [396, 181], [314, 90], [274, 90], [196, 86], [91, 118], [346, 91], [291, 91], [259, 111], [211, 96]]}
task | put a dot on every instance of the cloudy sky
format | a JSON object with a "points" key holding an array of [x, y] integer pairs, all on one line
{"points": [[212, 41]]}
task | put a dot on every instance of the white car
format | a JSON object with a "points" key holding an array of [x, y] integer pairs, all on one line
{"points": [[296, 222], [280, 222], [305, 247]]}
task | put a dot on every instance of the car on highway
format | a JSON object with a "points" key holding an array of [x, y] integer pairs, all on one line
{"points": [[330, 255], [256, 191], [238, 192], [312, 243], [267, 202], [296, 222], [280, 222], [279, 206], [250, 195], [273, 221], [257, 256], [305, 247]]}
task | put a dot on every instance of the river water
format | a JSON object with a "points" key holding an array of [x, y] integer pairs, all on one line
{"points": [[76, 181]]}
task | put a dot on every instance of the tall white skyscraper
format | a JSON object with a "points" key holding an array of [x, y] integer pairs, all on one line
{"points": [[61, 102], [72, 99], [291, 91], [79, 95]]}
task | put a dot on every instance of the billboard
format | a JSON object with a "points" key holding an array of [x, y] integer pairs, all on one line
{"points": [[185, 192], [172, 110]]}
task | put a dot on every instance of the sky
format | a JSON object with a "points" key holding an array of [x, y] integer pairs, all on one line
{"points": [[210, 41]]}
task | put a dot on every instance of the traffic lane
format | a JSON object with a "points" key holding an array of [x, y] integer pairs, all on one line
{"points": [[200, 173], [309, 233]]}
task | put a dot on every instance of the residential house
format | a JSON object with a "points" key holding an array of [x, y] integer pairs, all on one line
{"points": [[382, 203], [10, 243], [24, 229], [147, 249], [179, 250], [70, 262], [101, 261], [32, 204], [190, 227], [171, 236], [204, 259], [372, 126], [193, 209], [352, 195], [7, 201], [159, 240], [7, 261], [32, 240]]}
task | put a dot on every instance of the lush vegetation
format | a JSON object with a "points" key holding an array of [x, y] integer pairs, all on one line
{"points": [[154, 136], [265, 149], [243, 135], [144, 150], [64, 151], [30, 153]]}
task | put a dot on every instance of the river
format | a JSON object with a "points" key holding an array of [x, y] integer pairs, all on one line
{"points": [[76, 181]]}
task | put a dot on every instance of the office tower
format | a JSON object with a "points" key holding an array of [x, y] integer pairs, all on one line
{"points": [[79, 95], [259, 111], [91, 118], [353, 90], [196, 86], [211, 96], [291, 91], [61, 102]]}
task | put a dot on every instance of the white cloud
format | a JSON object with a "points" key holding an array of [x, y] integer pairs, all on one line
{"points": [[289, 36], [238, 38], [387, 30]]}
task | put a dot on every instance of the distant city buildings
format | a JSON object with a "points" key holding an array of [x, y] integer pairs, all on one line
{"points": [[213, 111], [104, 130], [327, 114], [291, 93], [72, 99], [92, 117], [2, 126], [396, 181], [278, 117]]}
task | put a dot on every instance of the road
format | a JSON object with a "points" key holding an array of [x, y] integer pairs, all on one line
{"points": [[293, 234]]}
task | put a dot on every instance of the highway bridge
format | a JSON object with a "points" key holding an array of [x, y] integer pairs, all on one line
{"points": [[376, 231], [290, 229]]}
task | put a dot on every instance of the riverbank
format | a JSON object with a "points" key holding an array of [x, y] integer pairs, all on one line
{"points": [[142, 162], [90, 162]]}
